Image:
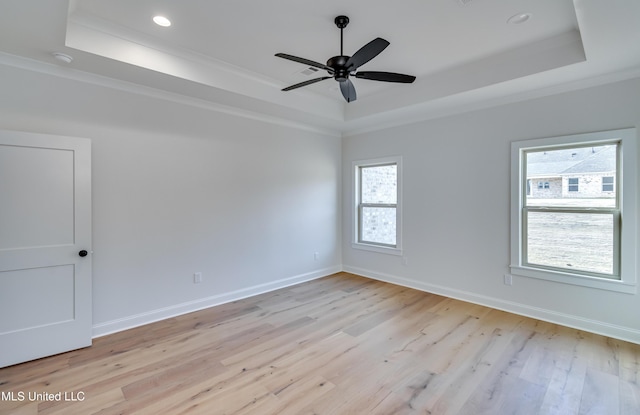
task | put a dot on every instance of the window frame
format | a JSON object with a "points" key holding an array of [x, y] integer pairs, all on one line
{"points": [[356, 241], [626, 185]]}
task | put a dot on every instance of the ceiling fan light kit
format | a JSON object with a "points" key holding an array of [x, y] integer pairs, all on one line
{"points": [[342, 66]]}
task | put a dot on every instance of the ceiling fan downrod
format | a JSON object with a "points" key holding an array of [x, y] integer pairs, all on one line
{"points": [[339, 63], [341, 22]]}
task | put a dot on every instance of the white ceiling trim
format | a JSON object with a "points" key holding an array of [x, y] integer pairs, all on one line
{"points": [[548, 54], [133, 88], [96, 36], [474, 101], [446, 106]]}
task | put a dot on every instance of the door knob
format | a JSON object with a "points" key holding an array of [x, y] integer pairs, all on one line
{"points": [[83, 253]]}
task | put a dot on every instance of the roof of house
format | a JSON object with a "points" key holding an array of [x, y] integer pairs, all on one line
{"points": [[600, 159]]}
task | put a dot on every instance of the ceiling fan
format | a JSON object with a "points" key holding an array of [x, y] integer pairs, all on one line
{"points": [[341, 67]]}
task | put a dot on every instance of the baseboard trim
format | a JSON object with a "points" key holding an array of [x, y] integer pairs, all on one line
{"points": [[569, 320], [114, 326]]}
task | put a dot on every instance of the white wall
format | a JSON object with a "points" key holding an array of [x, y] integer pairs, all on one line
{"points": [[456, 206], [179, 189]]}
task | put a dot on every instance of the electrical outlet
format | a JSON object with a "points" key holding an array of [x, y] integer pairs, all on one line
{"points": [[197, 277], [316, 256], [508, 279]]}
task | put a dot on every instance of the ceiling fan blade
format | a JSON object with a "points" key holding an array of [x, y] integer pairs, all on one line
{"points": [[305, 83], [386, 76], [348, 90], [305, 61], [366, 53]]}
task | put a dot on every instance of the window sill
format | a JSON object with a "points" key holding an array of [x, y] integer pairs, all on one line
{"points": [[377, 248], [575, 279]]}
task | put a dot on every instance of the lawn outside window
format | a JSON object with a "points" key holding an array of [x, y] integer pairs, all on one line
{"points": [[581, 229], [377, 205]]}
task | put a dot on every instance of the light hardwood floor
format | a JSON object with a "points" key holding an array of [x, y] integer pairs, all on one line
{"points": [[338, 345]]}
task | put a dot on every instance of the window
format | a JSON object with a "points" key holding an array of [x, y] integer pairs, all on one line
{"points": [[573, 184], [576, 235], [607, 184], [543, 185], [377, 205]]}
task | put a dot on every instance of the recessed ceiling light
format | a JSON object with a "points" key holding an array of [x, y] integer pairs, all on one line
{"points": [[519, 18], [162, 21]]}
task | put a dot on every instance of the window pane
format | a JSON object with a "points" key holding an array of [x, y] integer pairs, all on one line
{"points": [[607, 184], [573, 241], [379, 184], [572, 176], [379, 225]]}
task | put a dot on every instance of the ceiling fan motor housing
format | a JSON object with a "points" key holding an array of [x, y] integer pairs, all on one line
{"points": [[339, 66]]}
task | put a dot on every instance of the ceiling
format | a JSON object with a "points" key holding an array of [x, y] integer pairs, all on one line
{"points": [[464, 53]]}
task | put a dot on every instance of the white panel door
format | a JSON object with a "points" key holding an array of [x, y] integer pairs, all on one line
{"points": [[45, 245]]}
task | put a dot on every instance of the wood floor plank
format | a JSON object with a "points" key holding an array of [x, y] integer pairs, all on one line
{"points": [[600, 394], [629, 398], [455, 388], [541, 364], [524, 398], [629, 363], [565, 389], [490, 394], [338, 345]]}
